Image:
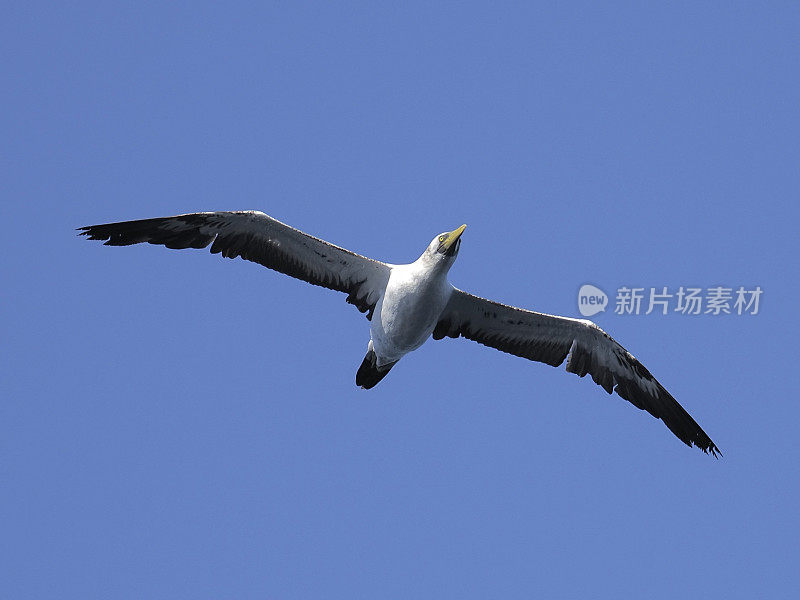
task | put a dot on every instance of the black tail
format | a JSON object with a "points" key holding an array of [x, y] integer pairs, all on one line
{"points": [[369, 374]]}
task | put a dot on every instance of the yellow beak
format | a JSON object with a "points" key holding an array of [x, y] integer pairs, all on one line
{"points": [[453, 236]]}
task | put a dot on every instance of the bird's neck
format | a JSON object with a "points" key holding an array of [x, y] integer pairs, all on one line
{"points": [[433, 265]]}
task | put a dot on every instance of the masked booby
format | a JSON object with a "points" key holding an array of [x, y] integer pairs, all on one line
{"points": [[407, 304]]}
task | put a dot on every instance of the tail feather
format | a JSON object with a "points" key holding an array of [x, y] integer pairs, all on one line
{"points": [[369, 374]]}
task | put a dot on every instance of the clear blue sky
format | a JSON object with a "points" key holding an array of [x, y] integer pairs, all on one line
{"points": [[178, 425]]}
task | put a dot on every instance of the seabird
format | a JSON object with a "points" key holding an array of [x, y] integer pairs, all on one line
{"points": [[407, 304]]}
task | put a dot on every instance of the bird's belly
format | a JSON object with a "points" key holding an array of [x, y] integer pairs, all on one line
{"points": [[405, 319]]}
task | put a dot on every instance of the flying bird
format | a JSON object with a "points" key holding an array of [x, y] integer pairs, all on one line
{"points": [[407, 304]]}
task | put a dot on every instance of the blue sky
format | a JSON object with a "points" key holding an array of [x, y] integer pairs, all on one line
{"points": [[178, 425]]}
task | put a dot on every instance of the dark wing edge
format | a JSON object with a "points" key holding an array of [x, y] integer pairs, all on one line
{"points": [[588, 349], [258, 238]]}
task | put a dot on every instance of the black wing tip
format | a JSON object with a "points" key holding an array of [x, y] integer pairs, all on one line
{"points": [[684, 426], [93, 232], [663, 406], [697, 438], [709, 448], [188, 232], [103, 234]]}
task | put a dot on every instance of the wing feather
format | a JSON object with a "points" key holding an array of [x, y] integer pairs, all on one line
{"points": [[261, 239], [587, 348]]}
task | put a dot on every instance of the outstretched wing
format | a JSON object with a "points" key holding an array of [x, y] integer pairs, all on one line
{"points": [[551, 339], [259, 238]]}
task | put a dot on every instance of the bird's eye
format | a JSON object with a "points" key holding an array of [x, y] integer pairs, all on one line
{"points": [[442, 239]]}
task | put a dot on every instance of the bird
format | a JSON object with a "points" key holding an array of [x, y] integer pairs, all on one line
{"points": [[407, 304]]}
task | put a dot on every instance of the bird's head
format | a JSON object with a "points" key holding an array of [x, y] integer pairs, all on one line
{"points": [[443, 249]]}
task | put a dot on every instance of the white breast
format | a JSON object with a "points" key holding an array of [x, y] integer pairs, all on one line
{"points": [[409, 310]]}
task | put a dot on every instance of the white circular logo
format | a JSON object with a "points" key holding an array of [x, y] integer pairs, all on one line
{"points": [[591, 300]]}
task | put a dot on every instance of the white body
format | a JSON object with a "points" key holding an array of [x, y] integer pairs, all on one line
{"points": [[409, 309]]}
